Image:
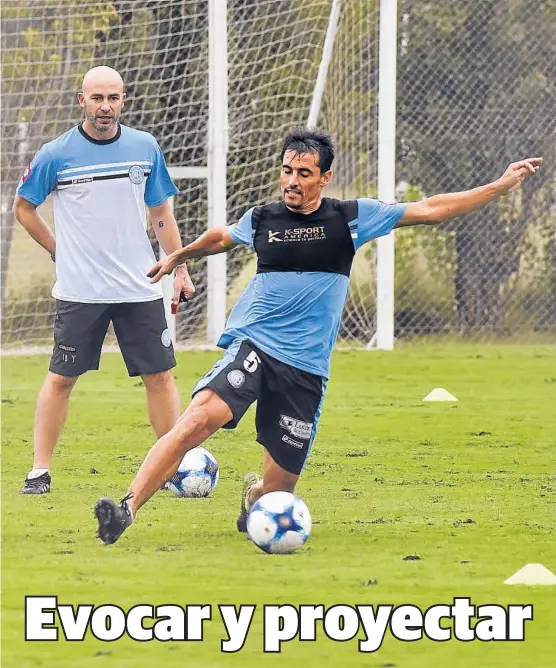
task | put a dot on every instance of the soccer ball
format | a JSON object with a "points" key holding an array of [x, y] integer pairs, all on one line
{"points": [[196, 476], [279, 523]]}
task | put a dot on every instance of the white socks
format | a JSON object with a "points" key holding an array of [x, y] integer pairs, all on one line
{"points": [[36, 473]]}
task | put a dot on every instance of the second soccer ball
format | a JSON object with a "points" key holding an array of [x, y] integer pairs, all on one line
{"points": [[197, 475]]}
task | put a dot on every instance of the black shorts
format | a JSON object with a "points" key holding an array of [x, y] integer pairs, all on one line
{"points": [[140, 327], [289, 400]]}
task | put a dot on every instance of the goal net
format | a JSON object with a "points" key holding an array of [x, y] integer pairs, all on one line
{"points": [[474, 92], [161, 50]]}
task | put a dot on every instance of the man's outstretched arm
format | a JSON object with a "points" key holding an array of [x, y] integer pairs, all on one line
{"points": [[440, 208], [213, 241]]}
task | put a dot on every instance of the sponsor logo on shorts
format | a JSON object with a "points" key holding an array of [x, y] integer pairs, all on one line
{"points": [[290, 441], [136, 174], [296, 428], [71, 350], [236, 378], [166, 338]]}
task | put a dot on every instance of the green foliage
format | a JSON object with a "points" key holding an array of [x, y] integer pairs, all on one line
{"points": [[58, 42], [476, 93]]}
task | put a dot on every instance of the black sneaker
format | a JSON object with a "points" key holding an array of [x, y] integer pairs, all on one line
{"points": [[40, 485], [249, 481], [113, 520]]}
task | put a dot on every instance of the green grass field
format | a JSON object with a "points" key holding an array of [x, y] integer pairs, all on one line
{"points": [[469, 488]]}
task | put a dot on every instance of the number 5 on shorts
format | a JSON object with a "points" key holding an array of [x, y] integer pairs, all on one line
{"points": [[251, 362]]}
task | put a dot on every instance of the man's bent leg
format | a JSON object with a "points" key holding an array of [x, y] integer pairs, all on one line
{"points": [[206, 413], [163, 401], [220, 399]]}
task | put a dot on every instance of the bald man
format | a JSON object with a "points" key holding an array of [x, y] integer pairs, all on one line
{"points": [[101, 174]]}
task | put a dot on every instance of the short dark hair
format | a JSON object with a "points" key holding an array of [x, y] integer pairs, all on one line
{"points": [[320, 142]]}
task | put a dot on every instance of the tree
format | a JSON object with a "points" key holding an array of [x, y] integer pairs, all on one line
{"points": [[476, 91]]}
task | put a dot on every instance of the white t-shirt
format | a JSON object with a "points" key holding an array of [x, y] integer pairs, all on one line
{"points": [[99, 191]]}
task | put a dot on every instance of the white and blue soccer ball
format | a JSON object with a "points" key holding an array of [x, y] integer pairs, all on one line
{"points": [[196, 476], [279, 523]]}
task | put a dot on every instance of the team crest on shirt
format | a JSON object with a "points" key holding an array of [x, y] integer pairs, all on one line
{"points": [[136, 174]]}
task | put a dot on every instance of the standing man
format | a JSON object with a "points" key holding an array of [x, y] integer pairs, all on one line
{"points": [[101, 174], [280, 334]]}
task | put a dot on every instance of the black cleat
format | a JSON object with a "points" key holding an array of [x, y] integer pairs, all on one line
{"points": [[40, 485], [113, 519], [249, 481]]}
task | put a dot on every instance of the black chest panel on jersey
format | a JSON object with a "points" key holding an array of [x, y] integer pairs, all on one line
{"points": [[320, 241]]}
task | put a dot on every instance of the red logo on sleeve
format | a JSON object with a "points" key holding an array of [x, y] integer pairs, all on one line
{"points": [[26, 173]]}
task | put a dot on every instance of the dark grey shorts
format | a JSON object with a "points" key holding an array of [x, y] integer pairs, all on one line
{"points": [[289, 400], [140, 327]]}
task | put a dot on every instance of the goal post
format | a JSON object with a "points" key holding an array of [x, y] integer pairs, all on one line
{"points": [[217, 162], [386, 186]]}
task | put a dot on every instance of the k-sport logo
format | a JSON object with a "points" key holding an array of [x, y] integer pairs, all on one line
{"points": [[296, 428], [297, 234]]}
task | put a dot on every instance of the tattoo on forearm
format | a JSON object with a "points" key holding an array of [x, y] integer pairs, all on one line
{"points": [[160, 223]]}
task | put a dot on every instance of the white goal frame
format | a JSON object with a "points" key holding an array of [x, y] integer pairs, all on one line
{"points": [[385, 250]]}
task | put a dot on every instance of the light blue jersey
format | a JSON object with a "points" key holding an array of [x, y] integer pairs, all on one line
{"points": [[99, 190], [292, 307]]}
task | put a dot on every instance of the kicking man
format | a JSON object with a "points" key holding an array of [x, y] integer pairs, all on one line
{"points": [[280, 334]]}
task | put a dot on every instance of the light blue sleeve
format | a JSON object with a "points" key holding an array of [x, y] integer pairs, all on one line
{"points": [[242, 232], [375, 219], [159, 184], [39, 178]]}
